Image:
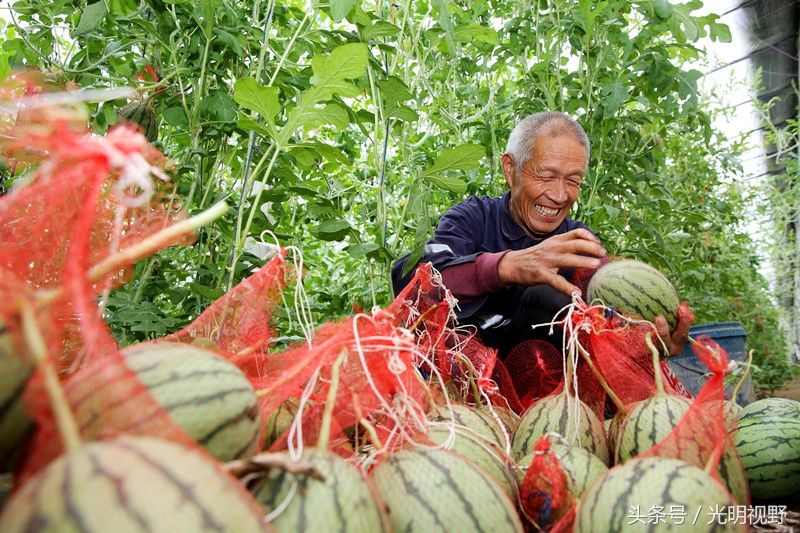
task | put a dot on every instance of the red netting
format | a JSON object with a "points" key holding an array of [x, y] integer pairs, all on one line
{"points": [[701, 437], [90, 207], [239, 323], [544, 494]]}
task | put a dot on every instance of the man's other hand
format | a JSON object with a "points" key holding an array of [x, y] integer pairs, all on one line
{"points": [[676, 339], [541, 263]]}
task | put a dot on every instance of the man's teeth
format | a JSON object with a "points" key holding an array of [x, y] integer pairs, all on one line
{"points": [[546, 211]]}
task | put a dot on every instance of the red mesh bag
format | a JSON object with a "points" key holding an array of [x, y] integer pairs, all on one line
{"points": [[355, 380], [238, 323], [89, 209], [544, 494]]}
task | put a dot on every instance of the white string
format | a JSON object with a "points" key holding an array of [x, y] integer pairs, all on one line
{"points": [[13, 107], [275, 513]]}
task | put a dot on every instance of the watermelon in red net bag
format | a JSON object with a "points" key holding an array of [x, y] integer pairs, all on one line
{"points": [[86, 209]]}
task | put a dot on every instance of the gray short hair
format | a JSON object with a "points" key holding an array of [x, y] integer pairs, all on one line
{"points": [[520, 142]]}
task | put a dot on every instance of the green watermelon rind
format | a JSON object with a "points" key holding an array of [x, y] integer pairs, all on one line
{"points": [[437, 490], [555, 414], [635, 289], [770, 451], [131, 484]]}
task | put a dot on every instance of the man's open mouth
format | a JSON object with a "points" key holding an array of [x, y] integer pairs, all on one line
{"points": [[546, 211]]}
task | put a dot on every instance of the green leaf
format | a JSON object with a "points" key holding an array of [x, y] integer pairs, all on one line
{"points": [[219, 106], [362, 249], [380, 28], [175, 116], [394, 90], [614, 96], [330, 114], [344, 62], [449, 184], [212, 293], [476, 32], [404, 113], [463, 157], [332, 230], [249, 124], [663, 9], [91, 18], [248, 93], [331, 153], [340, 9]]}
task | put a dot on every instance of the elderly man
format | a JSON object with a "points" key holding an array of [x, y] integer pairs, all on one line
{"points": [[509, 260]]}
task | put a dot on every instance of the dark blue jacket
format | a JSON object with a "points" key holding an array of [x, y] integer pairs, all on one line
{"points": [[475, 226]]}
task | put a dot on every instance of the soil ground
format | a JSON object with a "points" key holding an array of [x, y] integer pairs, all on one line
{"points": [[791, 390]]}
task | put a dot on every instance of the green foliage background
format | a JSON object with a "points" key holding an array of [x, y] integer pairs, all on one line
{"points": [[348, 127]]}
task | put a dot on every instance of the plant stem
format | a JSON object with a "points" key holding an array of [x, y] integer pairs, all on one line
{"points": [[65, 421], [141, 249], [330, 403], [656, 362], [611, 394]]}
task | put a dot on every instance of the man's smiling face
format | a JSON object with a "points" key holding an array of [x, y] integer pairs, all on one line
{"points": [[546, 186]]}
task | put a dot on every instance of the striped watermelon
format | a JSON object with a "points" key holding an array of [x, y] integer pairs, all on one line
{"points": [[14, 423], [343, 501], [508, 417], [471, 420], [206, 395], [582, 467], [782, 407], [131, 484], [279, 421], [770, 451], [649, 422], [652, 420], [560, 414], [635, 289], [436, 490], [624, 498], [483, 453]]}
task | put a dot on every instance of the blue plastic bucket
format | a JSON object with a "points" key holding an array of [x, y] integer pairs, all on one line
{"points": [[693, 373]]}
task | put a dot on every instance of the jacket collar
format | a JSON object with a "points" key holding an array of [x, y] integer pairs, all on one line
{"points": [[511, 230]]}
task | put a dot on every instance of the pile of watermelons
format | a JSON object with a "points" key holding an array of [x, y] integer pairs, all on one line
{"points": [[464, 474]]}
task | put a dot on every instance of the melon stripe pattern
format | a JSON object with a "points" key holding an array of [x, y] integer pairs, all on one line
{"points": [[131, 484], [343, 501], [648, 423], [770, 451], [436, 490], [635, 289], [557, 414], [471, 420], [14, 423], [279, 421], [643, 484], [782, 407], [207, 396], [481, 452]]}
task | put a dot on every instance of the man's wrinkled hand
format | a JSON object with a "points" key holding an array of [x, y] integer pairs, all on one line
{"points": [[676, 339], [540, 264]]}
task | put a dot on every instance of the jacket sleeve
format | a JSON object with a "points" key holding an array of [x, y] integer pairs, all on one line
{"points": [[456, 241]]}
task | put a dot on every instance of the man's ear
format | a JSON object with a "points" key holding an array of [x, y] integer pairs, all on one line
{"points": [[507, 162]]}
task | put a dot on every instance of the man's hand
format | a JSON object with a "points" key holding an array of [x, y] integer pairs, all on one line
{"points": [[540, 264], [677, 338]]}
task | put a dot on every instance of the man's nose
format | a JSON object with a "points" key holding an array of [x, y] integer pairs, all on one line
{"points": [[558, 191]]}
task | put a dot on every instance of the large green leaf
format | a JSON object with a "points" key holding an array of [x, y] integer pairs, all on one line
{"points": [[476, 32], [463, 157], [340, 9], [263, 100], [449, 184], [91, 18], [332, 230], [330, 74]]}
